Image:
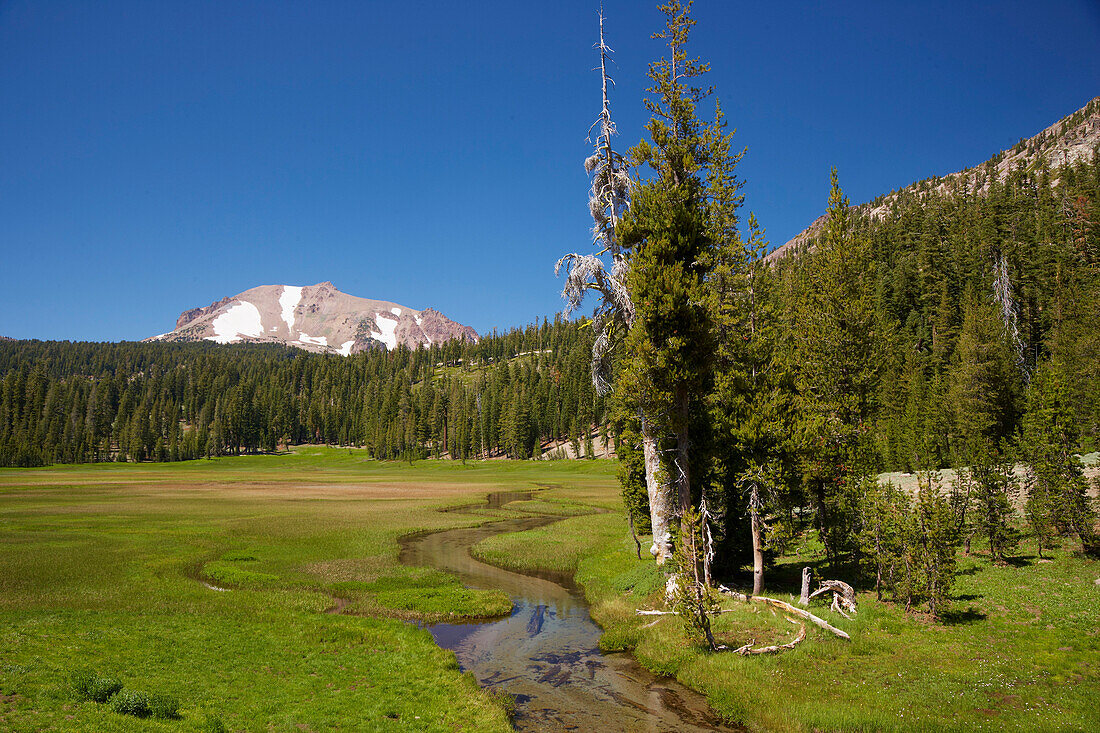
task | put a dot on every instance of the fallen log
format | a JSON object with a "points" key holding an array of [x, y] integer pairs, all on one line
{"points": [[742, 650], [787, 608], [843, 595]]}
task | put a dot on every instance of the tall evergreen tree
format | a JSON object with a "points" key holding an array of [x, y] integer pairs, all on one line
{"points": [[836, 349], [1057, 494], [667, 233]]}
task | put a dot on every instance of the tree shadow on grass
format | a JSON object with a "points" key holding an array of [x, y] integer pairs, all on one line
{"points": [[781, 579], [958, 618]]}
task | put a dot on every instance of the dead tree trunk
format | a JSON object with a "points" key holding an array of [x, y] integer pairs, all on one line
{"points": [[708, 541], [757, 544], [660, 499], [804, 600], [784, 606]]}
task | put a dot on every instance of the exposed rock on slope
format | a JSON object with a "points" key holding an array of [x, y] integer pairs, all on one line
{"points": [[1069, 140], [317, 318]]}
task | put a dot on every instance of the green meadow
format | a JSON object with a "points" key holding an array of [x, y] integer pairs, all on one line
{"points": [[109, 573]]}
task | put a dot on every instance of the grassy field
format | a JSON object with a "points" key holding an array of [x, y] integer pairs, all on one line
{"points": [[1020, 650], [111, 570], [107, 569]]}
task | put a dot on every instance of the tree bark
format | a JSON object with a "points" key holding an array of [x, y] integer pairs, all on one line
{"points": [[804, 600], [757, 546], [660, 500]]}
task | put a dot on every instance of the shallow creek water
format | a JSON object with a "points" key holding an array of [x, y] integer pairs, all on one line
{"points": [[546, 653]]}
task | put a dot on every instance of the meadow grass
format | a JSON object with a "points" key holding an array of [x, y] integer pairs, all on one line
{"points": [[109, 568], [102, 571], [1020, 649]]}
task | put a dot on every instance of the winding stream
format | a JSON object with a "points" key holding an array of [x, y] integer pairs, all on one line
{"points": [[546, 653]]}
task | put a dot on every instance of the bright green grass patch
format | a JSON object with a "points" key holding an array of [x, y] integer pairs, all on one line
{"points": [[317, 672], [559, 546], [550, 508], [228, 574], [447, 603], [421, 594]]}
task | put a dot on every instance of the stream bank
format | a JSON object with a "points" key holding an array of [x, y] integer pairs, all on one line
{"points": [[546, 653]]}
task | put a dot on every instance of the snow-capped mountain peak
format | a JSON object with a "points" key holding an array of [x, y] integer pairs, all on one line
{"points": [[316, 318]]}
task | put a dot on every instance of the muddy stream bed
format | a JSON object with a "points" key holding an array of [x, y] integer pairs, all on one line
{"points": [[546, 653]]}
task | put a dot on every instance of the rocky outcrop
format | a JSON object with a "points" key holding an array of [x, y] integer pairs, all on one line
{"points": [[190, 315], [438, 327]]}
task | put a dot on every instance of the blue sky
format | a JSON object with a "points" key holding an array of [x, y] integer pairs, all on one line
{"points": [[158, 156]]}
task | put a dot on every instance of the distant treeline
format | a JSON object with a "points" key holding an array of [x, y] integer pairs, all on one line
{"points": [[63, 402]]}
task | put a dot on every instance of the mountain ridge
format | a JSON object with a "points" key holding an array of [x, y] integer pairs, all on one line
{"points": [[1073, 138]]}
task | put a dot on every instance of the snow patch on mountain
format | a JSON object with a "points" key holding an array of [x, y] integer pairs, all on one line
{"points": [[242, 319], [288, 301], [387, 324], [305, 338], [345, 348], [395, 311]]}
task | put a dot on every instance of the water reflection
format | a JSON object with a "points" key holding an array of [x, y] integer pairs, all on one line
{"points": [[546, 653]]}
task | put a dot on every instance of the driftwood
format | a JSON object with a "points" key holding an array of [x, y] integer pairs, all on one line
{"points": [[742, 650], [776, 603], [843, 596], [786, 607]]}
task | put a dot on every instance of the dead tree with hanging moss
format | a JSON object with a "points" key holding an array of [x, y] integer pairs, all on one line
{"points": [[609, 199]]}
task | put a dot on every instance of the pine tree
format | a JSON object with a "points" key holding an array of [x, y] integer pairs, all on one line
{"points": [[1057, 494], [983, 382], [837, 354], [937, 543], [994, 489], [667, 234]]}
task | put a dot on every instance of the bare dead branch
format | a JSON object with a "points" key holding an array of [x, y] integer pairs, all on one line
{"points": [[786, 607]]}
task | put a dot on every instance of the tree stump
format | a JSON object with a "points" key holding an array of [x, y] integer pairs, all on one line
{"points": [[804, 600]]}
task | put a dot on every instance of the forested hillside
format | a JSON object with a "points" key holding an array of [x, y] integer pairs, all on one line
{"points": [[63, 402], [958, 328], [969, 296]]}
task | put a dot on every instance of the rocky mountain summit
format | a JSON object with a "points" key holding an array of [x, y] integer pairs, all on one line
{"points": [[1071, 139], [316, 318]]}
